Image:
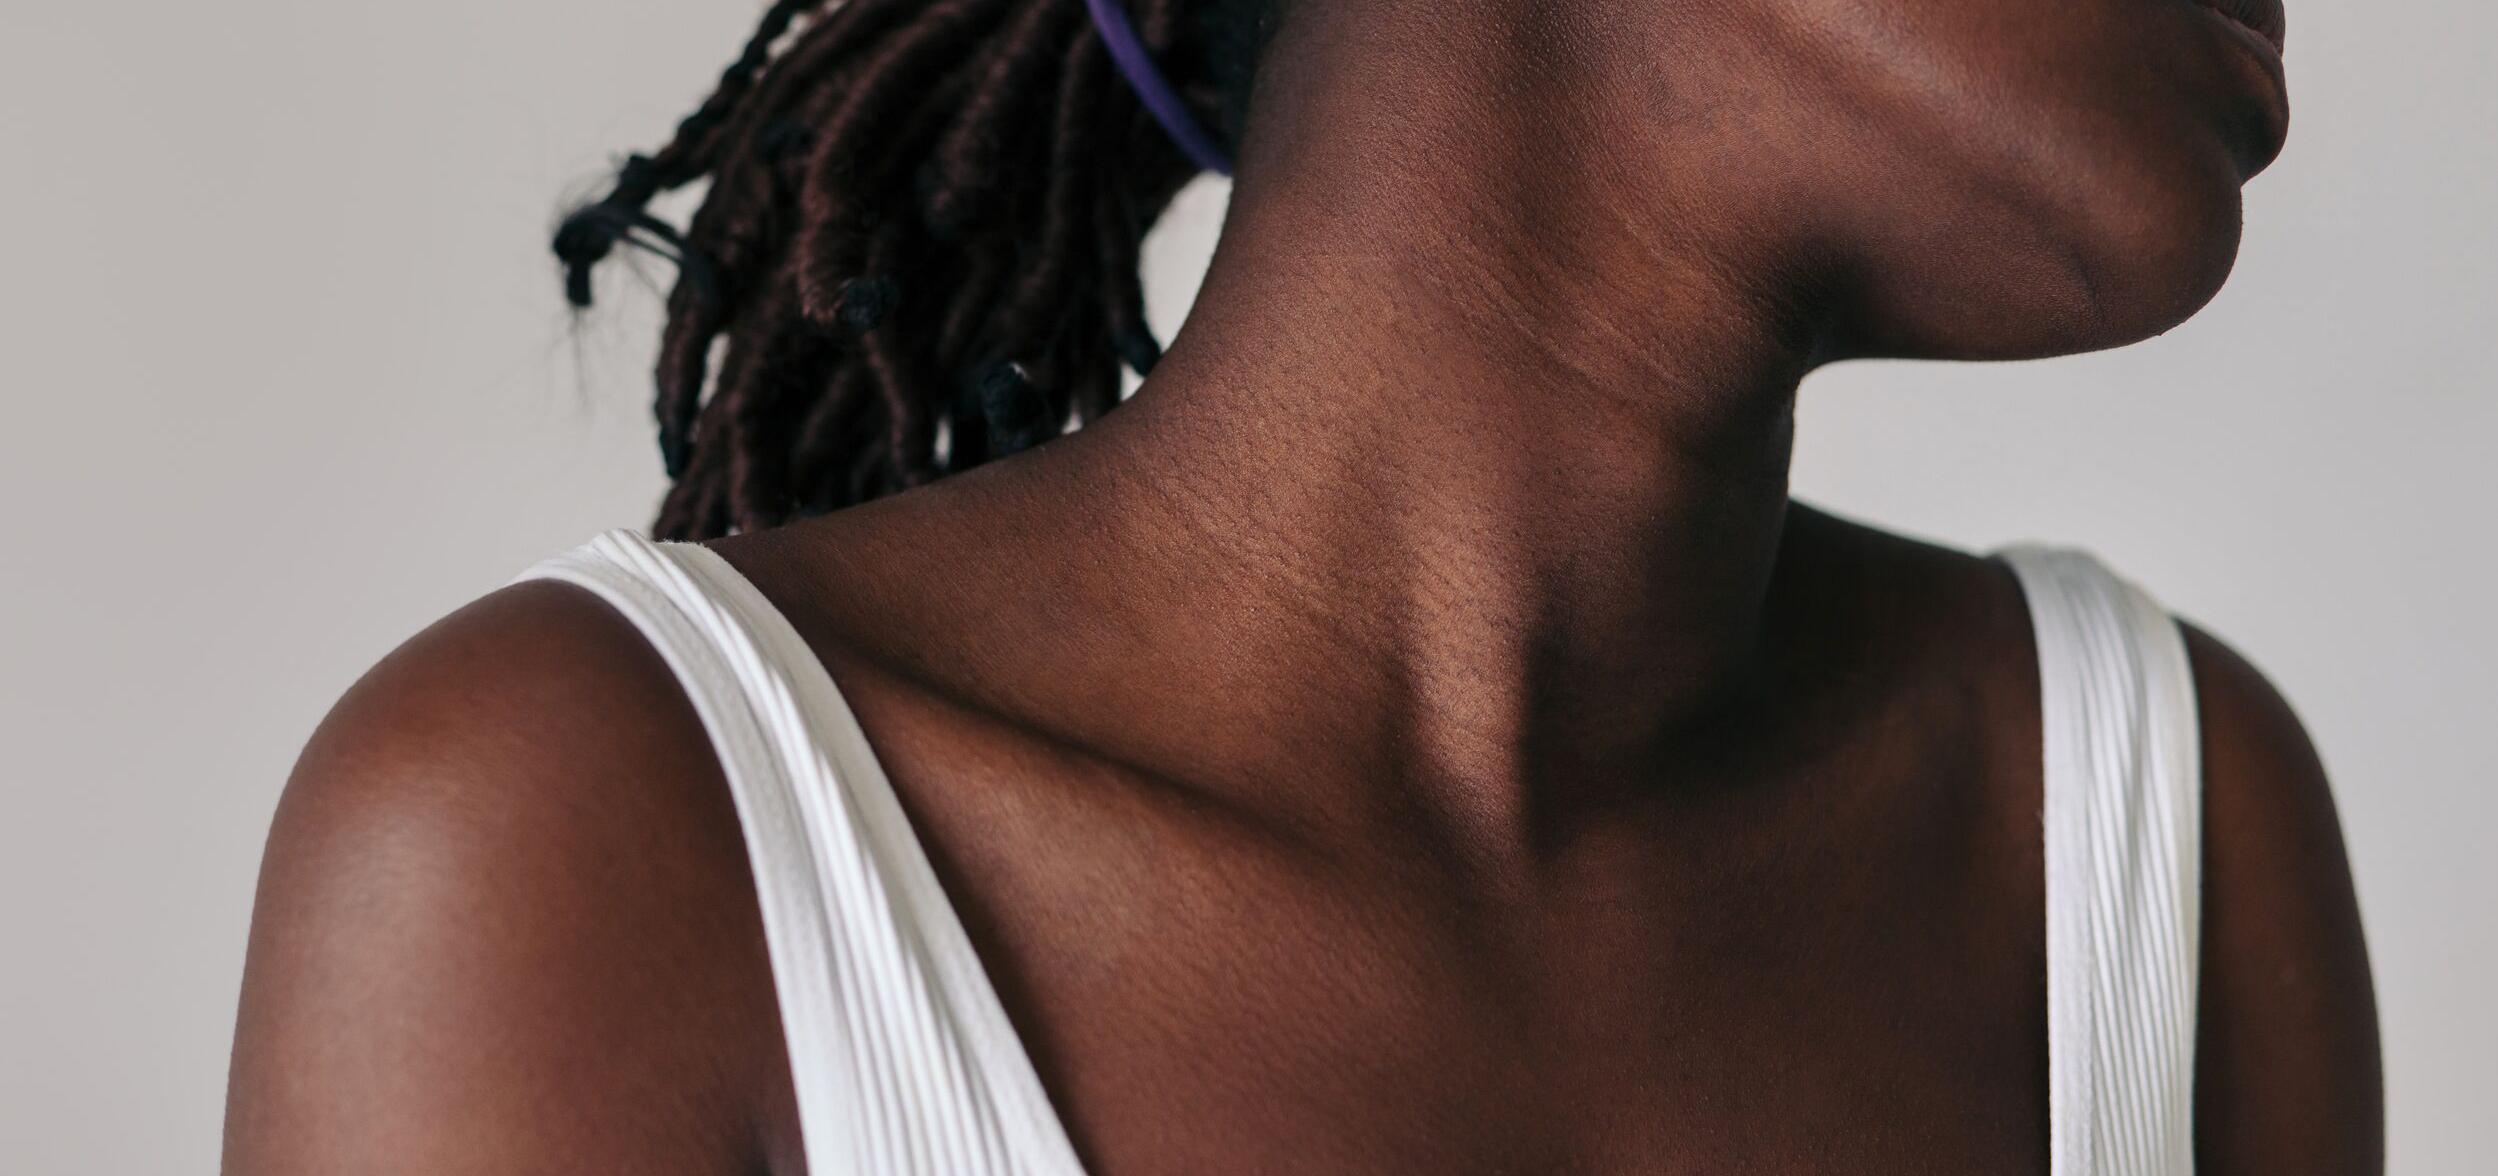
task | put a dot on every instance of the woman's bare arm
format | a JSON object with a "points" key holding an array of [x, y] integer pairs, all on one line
{"points": [[505, 923]]}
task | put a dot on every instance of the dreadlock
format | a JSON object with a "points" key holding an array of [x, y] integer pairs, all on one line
{"points": [[919, 246]]}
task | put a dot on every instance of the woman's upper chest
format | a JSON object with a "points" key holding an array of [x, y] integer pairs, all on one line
{"points": [[1841, 969]]}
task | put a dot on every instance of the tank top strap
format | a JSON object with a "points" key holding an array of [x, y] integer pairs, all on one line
{"points": [[2122, 810], [902, 1057]]}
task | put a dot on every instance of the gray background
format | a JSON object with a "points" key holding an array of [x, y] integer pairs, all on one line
{"points": [[287, 377]]}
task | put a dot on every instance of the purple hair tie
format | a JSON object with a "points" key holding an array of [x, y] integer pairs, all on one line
{"points": [[1137, 64]]}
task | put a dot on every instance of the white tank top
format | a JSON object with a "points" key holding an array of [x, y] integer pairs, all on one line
{"points": [[904, 1060]]}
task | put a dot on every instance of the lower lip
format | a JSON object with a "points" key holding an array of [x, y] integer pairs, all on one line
{"points": [[2251, 33], [2246, 33], [2222, 9], [2268, 56]]}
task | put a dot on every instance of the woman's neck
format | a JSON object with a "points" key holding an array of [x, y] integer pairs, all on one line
{"points": [[1537, 538], [1467, 474]]}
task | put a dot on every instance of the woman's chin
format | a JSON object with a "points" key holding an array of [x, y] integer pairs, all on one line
{"points": [[2028, 294]]}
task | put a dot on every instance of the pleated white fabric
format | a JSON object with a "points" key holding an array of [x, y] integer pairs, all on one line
{"points": [[2123, 810], [905, 1061], [903, 1058]]}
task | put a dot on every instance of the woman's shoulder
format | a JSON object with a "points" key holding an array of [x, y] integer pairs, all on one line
{"points": [[505, 918], [538, 684], [536, 702], [2288, 1072], [2287, 1063]]}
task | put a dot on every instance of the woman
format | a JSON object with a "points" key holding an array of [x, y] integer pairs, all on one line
{"points": [[1415, 733]]}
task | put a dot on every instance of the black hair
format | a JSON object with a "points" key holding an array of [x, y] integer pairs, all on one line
{"points": [[919, 246]]}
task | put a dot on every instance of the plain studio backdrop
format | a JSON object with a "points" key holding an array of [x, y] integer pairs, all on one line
{"points": [[288, 376]]}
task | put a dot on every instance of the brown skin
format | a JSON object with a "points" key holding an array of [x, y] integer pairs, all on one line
{"points": [[1417, 734]]}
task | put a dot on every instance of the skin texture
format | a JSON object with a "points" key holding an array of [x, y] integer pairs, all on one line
{"points": [[1418, 733]]}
